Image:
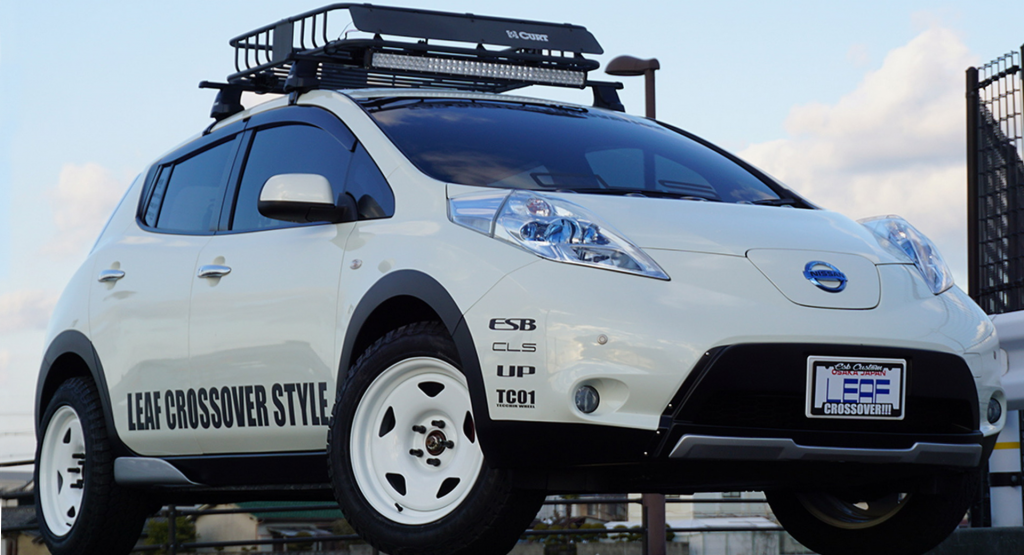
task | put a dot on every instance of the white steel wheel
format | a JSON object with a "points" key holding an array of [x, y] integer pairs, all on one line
{"points": [[80, 508], [853, 514], [404, 455], [413, 446], [61, 465]]}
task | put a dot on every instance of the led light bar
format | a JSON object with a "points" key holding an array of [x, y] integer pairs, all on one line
{"points": [[471, 68]]}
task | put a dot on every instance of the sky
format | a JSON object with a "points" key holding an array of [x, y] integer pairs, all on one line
{"points": [[859, 106]]}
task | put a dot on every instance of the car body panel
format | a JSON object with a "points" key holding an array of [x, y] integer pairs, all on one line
{"points": [[656, 331], [140, 332], [273, 352], [288, 312]]}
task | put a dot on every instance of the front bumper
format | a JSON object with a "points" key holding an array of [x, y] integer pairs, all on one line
{"points": [[646, 345]]}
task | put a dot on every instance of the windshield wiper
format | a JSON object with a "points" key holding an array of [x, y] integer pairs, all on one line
{"points": [[635, 193], [776, 202]]}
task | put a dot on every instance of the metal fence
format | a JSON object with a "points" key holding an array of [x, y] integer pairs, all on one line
{"points": [[653, 540], [995, 184]]}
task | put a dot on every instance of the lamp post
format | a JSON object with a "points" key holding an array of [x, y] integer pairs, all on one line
{"points": [[629, 66]]}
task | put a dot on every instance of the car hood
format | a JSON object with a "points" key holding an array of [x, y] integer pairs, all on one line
{"points": [[733, 229]]}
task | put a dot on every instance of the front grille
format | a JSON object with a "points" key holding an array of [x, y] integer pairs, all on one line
{"points": [[787, 412], [759, 390]]}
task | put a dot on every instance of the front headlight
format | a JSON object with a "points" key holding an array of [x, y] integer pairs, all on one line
{"points": [[897, 236], [551, 228]]}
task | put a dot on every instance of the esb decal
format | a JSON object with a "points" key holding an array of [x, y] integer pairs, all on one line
{"points": [[513, 324]]}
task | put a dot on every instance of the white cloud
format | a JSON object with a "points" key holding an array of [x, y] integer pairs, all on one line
{"points": [[858, 55], [25, 310], [82, 201], [894, 145]]}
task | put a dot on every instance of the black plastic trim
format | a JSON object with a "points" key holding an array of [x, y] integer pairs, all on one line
{"points": [[76, 343], [519, 444], [778, 371], [418, 285], [254, 469]]}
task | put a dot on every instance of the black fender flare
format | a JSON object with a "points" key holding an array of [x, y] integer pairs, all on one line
{"points": [[416, 284], [76, 343]]}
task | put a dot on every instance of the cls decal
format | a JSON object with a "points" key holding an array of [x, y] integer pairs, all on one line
{"points": [[508, 348], [516, 371], [513, 324], [516, 398]]}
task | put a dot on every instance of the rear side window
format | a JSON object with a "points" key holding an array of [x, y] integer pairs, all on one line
{"points": [[186, 196]]}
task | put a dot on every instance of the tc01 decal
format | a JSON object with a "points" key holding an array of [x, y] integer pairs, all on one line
{"points": [[517, 398]]}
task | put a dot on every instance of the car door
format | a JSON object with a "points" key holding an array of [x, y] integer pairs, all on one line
{"points": [[139, 303], [263, 324]]}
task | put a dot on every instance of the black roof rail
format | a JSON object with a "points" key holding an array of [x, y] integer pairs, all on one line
{"points": [[298, 54]]}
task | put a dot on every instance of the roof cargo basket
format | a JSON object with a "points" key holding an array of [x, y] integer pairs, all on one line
{"points": [[406, 48]]}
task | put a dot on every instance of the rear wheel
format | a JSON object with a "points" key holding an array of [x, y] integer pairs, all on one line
{"points": [[80, 509], [405, 460], [881, 523]]}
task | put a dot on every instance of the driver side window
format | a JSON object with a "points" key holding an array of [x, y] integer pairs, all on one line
{"points": [[286, 149]]}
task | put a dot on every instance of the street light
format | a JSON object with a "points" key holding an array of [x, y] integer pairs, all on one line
{"points": [[628, 66]]}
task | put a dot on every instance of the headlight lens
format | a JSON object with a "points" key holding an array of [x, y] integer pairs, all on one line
{"points": [[552, 228], [904, 240]]}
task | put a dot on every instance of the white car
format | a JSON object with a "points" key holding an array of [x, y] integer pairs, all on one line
{"points": [[437, 305]]}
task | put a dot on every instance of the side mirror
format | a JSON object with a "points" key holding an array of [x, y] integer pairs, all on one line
{"points": [[304, 198]]}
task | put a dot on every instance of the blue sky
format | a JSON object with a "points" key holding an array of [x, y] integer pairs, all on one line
{"points": [[854, 104]]}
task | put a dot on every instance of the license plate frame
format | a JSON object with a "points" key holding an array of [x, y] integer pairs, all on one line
{"points": [[864, 388]]}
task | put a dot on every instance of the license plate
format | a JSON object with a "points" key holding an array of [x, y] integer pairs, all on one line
{"points": [[856, 388]]}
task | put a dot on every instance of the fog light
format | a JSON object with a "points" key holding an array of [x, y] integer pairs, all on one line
{"points": [[995, 410], [587, 399]]}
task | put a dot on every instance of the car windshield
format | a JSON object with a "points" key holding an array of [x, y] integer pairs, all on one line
{"points": [[560, 148]]}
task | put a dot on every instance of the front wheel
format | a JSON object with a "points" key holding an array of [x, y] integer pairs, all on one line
{"points": [[404, 457], [81, 510], [880, 523]]}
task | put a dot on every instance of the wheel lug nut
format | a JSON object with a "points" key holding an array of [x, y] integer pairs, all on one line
{"points": [[419, 429], [437, 423], [448, 444], [416, 452], [434, 462]]}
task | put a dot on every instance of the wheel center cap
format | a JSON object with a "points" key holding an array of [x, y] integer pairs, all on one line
{"points": [[435, 442]]}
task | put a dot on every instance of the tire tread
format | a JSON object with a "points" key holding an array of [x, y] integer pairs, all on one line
{"points": [[491, 527]]}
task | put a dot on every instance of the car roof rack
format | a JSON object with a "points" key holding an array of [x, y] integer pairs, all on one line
{"points": [[423, 49]]}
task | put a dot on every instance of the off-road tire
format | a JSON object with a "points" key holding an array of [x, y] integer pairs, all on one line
{"points": [[110, 518], [488, 520], [922, 521]]}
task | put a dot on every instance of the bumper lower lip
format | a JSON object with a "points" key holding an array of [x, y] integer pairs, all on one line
{"points": [[696, 447]]}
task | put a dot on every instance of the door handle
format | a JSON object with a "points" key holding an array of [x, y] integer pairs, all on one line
{"points": [[213, 271], [110, 276]]}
